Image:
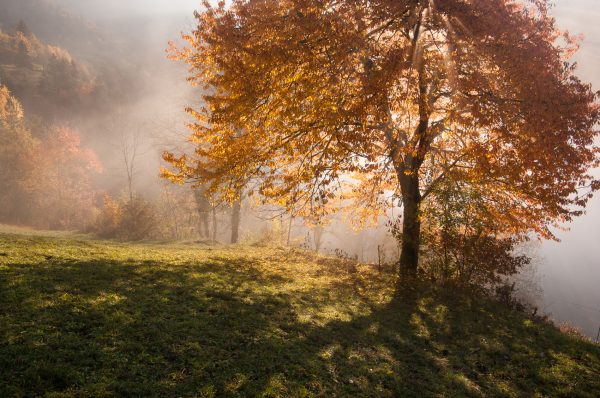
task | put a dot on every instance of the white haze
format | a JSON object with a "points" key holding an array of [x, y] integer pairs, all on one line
{"points": [[571, 268]]}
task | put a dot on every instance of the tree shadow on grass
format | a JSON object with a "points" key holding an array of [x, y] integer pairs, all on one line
{"points": [[224, 327]]}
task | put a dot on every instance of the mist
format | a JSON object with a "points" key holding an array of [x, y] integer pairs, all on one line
{"points": [[570, 269], [135, 34]]}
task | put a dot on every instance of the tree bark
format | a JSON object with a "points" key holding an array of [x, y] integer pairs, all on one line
{"points": [[204, 225], [289, 231], [214, 224], [203, 205], [407, 168], [235, 220], [411, 226]]}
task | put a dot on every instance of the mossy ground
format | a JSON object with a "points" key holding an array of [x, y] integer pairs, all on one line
{"points": [[83, 318]]}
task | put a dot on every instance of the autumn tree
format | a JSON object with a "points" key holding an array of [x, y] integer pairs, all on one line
{"points": [[23, 29], [310, 99], [206, 210], [16, 146], [59, 183]]}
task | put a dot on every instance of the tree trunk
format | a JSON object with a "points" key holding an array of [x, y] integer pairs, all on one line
{"points": [[289, 231], [204, 226], [204, 206], [235, 220], [214, 224], [411, 226]]}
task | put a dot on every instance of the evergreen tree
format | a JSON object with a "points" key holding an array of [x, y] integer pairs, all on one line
{"points": [[24, 29]]}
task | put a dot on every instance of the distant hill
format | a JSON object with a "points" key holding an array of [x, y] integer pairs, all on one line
{"points": [[53, 24], [98, 32], [49, 81], [122, 56]]}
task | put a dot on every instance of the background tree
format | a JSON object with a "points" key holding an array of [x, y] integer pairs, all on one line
{"points": [[206, 210], [23, 59], [403, 94], [59, 184], [16, 146], [23, 29], [130, 150], [236, 218]]}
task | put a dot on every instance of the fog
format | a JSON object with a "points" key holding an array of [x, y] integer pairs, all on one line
{"points": [[137, 32], [117, 9], [570, 269]]}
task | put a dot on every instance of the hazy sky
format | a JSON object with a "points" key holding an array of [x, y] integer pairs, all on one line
{"points": [[571, 268], [118, 8]]}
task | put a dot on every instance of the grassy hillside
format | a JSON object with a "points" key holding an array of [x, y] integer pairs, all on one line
{"points": [[86, 318]]}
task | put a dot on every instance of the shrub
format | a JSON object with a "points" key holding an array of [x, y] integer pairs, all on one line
{"points": [[461, 244], [568, 328], [138, 220], [129, 220], [107, 222]]}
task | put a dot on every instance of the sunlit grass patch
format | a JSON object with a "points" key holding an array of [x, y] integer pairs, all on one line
{"points": [[87, 318]]}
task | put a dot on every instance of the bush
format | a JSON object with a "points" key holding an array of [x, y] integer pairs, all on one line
{"points": [[461, 244], [138, 220], [177, 215], [129, 220], [107, 222], [568, 328]]}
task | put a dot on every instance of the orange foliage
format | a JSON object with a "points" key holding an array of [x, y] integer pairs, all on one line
{"points": [[107, 222], [16, 144], [302, 94], [59, 183]]}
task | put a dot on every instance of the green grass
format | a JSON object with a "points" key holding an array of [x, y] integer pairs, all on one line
{"points": [[83, 318]]}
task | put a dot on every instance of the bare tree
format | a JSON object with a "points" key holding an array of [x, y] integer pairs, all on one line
{"points": [[130, 143], [318, 233]]}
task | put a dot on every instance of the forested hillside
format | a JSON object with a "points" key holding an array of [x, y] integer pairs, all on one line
{"points": [[47, 79], [49, 173], [76, 98], [58, 26]]}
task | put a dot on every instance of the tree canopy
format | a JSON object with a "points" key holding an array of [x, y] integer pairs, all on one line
{"points": [[310, 100]]}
